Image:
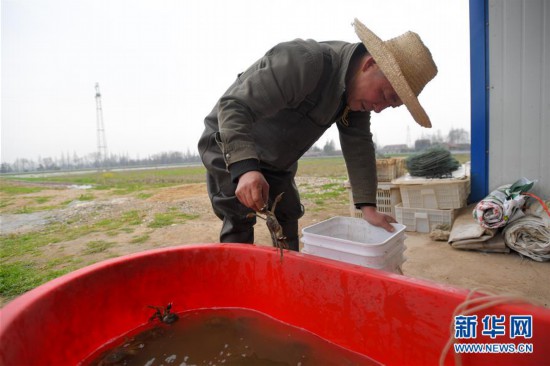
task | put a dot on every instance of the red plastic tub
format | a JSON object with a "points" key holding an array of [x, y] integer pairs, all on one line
{"points": [[393, 319]]}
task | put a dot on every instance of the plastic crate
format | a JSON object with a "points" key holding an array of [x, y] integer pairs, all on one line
{"points": [[355, 241], [389, 169], [390, 262], [387, 196], [353, 235], [436, 195], [423, 220]]}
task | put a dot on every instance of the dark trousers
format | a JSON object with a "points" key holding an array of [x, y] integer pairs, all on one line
{"points": [[237, 227]]}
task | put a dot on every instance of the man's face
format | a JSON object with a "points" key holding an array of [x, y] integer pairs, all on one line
{"points": [[370, 90]]}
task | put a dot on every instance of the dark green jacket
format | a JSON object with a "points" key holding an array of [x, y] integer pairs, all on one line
{"points": [[278, 108]]}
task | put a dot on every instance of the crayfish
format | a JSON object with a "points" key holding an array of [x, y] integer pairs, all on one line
{"points": [[163, 314], [275, 229]]}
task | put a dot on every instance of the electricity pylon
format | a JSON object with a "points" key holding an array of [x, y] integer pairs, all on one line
{"points": [[101, 140]]}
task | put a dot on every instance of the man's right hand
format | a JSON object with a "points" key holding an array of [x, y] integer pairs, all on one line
{"points": [[252, 190]]}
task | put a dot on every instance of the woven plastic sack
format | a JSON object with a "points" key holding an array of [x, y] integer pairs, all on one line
{"points": [[530, 237], [502, 205]]}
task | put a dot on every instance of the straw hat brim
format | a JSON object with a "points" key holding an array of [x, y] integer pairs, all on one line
{"points": [[390, 67]]}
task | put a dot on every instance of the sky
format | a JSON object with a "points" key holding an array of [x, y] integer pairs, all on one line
{"points": [[162, 65]]}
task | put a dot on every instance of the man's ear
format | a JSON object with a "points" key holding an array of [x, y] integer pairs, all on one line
{"points": [[368, 62]]}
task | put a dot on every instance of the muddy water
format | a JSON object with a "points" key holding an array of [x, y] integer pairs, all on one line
{"points": [[226, 337]]}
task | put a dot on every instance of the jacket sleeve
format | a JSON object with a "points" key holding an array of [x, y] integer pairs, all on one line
{"points": [[359, 154], [281, 79]]}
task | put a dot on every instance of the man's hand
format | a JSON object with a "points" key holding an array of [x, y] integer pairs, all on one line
{"points": [[252, 190], [376, 218]]}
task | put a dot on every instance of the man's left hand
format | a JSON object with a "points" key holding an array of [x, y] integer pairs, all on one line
{"points": [[373, 217]]}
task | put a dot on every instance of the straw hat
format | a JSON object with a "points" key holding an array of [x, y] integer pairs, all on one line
{"points": [[406, 62]]}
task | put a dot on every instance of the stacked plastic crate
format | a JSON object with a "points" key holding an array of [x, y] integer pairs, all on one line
{"points": [[387, 193], [427, 203], [355, 241]]}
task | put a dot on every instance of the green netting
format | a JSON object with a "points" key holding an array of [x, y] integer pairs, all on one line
{"points": [[436, 162]]}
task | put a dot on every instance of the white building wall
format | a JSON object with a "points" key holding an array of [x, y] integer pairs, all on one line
{"points": [[519, 93]]}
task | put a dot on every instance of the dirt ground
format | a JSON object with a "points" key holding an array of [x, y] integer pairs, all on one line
{"points": [[426, 259]]}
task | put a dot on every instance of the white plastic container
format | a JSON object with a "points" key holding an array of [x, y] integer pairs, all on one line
{"points": [[423, 220], [352, 236], [435, 196], [387, 196], [433, 193], [388, 262]]}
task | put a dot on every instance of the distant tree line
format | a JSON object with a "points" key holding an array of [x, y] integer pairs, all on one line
{"points": [[329, 149], [90, 161], [457, 139]]}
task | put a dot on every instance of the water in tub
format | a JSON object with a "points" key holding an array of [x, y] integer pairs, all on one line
{"points": [[224, 337]]}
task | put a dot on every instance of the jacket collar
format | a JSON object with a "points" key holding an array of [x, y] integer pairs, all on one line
{"points": [[341, 53]]}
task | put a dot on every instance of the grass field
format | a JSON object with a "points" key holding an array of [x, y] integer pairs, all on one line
{"points": [[26, 260], [135, 180]]}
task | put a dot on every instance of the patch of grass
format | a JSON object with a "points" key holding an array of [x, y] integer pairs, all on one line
{"points": [[86, 197], [18, 245], [97, 246], [162, 220], [64, 262], [144, 196], [169, 218], [333, 167], [32, 204], [24, 210], [12, 189], [128, 181], [128, 189], [5, 203], [327, 192], [102, 188], [31, 209], [109, 224], [19, 277], [333, 187], [41, 200], [106, 176], [133, 217], [140, 239]]}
